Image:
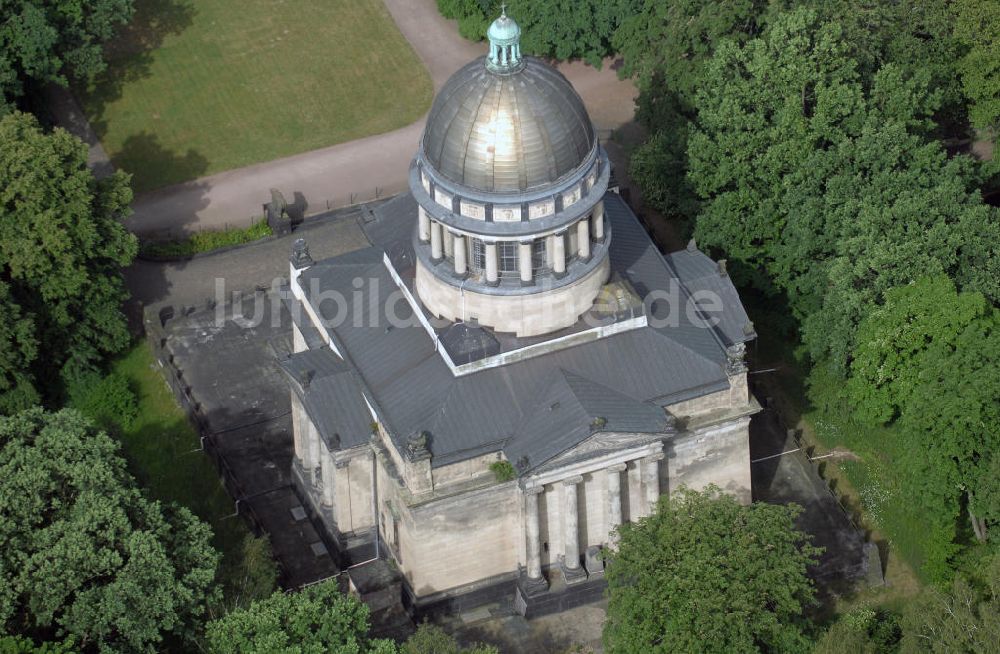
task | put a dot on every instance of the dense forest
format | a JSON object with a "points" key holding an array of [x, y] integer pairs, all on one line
{"points": [[822, 148]]}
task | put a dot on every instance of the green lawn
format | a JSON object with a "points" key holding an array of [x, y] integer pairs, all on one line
{"points": [[195, 87], [162, 450]]}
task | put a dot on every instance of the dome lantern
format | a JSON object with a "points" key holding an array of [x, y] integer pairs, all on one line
{"points": [[504, 35]]}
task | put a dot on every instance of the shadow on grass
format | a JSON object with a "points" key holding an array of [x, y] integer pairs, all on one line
{"points": [[129, 53], [152, 165]]}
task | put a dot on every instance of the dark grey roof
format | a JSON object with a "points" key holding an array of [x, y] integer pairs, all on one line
{"points": [[412, 388], [569, 410], [700, 273], [331, 396], [467, 342], [392, 221], [535, 110]]}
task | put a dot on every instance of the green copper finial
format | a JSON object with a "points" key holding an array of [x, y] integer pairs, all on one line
{"points": [[505, 47]]}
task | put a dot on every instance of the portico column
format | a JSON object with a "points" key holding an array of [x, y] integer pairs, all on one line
{"points": [[448, 243], [651, 479], [314, 461], [425, 225], [559, 253], [460, 264], [571, 548], [297, 425], [328, 479], [583, 238], [524, 261], [599, 221], [615, 499], [491, 263], [435, 240], [531, 532]]}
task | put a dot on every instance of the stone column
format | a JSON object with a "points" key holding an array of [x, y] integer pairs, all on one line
{"points": [[633, 487], [449, 246], [559, 253], [524, 261], [651, 480], [571, 545], [425, 225], [492, 264], [599, 221], [436, 241], [297, 425], [314, 453], [615, 498], [531, 532], [460, 263], [329, 480], [583, 238]]}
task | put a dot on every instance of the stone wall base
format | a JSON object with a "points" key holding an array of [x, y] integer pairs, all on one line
{"points": [[346, 548]]}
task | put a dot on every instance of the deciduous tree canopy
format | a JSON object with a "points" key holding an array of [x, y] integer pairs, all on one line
{"points": [[82, 552], [54, 40], [704, 573], [316, 620], [62, 248], [827, 188]]}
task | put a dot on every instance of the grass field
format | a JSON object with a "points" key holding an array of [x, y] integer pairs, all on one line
{"points": [[162, 450], [195, 87]]}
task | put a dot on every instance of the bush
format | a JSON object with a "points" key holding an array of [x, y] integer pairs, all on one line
{"points": [[503, 470], [205, 241], [250, 577], [431, 639], [108, 401]]}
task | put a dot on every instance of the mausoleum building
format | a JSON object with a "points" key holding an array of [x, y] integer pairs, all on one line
{"points": [[512, 369]]}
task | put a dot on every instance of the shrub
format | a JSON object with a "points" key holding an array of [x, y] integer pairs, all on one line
{"points": [[503, 470], [205, 241], [108, 401]]}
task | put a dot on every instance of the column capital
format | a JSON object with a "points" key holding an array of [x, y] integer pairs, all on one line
{"points": [[534, 490], [572, 481], [618, 467], [657, 456]]}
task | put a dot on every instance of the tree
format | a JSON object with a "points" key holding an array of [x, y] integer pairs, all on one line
{"points": [[977, 24], [82, 552], [704, 573], [664, 47], [561, 29], [929, 359], [431, 639], [18, 348], [62, 248], [828, 188], [55, 40], [316, 619], [668, 42], [863, 630], [964, 619], [17, 645]]}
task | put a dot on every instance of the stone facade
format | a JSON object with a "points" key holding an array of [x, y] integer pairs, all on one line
{"points": [[396, 428], [461, 527]]}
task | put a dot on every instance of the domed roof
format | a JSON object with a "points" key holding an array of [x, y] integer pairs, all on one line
{"points": [[507, 132], [504, 30]]}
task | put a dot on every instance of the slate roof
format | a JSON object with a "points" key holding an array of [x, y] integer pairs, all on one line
{"points": [[570, 409], [331, 395], [700, 273], [412, 389]]}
